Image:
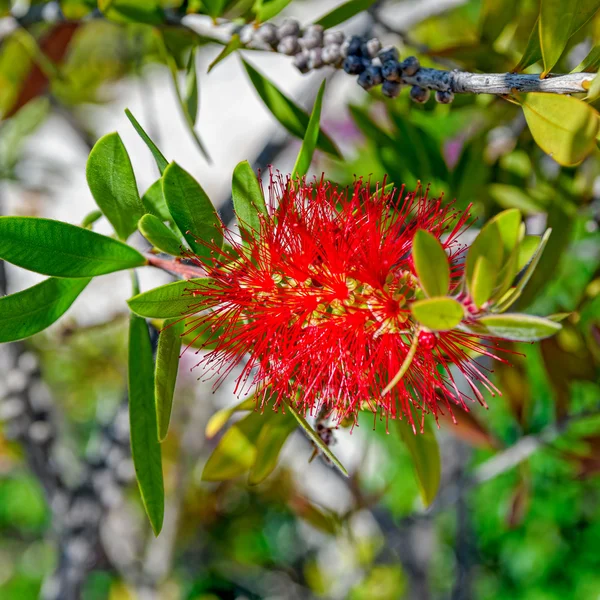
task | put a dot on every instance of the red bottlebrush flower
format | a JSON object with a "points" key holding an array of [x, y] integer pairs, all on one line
{"points": [[318, 302]]}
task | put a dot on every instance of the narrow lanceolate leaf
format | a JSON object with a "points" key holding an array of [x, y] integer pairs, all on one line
{"points": [[112, 183], [344, 12], [233, 45], [431, 264], [316, 438], [559, 20], [310, 137], [516, 327], [248, 199], [483, 281], [191, 87], [267, 9], [159, 235], [438, 314], [236, 451], [63, 250], [145, 447], [28, 312], [425, 453], [277, 429], [167, 301], [562, 126], [161, 161], [291, 116], [165, 375], [192, 210], [533, 52]]}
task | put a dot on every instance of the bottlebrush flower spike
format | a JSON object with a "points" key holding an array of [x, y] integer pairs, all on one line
{"points": [[320, 306]]}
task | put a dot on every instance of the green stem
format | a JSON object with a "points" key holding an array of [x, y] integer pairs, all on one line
{"points": [[405, 365]]}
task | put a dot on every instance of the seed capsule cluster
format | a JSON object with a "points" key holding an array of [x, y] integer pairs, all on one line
{"points": [[313, 48]]}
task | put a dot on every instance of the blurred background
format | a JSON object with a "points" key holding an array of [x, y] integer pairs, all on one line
{"points": [[517, 515]]}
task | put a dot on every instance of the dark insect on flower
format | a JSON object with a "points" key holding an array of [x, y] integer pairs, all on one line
{"points": [[315, 306]]}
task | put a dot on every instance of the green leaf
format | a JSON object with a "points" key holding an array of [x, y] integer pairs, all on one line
{"points": [[594, 91], [154, 201], [91, 218], [159, 235], [516, 327], [495, 16], [291, 116], [310, 137], [267, 9], [248, 200], [233, 45], [145, 447], [191, 87], [431, 264], [527, 250], [438, 314], [28, 312], [425, 453], [112, 183], [483, 281], [514, 295], [590, 63], [236, 451], [218, 420], [316, 439], [533, 52], [168, 301], [562, 126], [270, 441], [132, 11], [165, 375], [495, 241], [214, 8], [510, 196], [344, 12], [161, 161], [559, 20], [63, 250], [192, 210]]}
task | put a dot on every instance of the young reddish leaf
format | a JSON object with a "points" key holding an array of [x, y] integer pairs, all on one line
{"points": [[145, 447], [438, 314], [165, 375], [28, 312], [431, 264], [63, 250], [112, 183]]}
